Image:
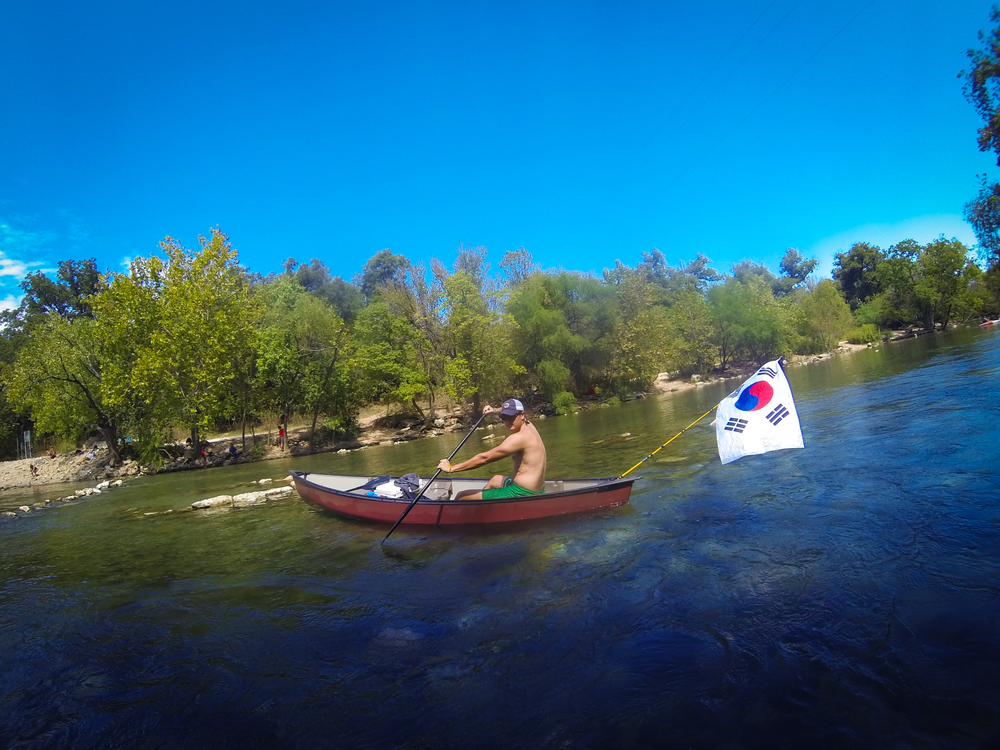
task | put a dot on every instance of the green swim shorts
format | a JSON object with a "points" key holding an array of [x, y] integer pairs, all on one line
{"points": [[509, 489]]}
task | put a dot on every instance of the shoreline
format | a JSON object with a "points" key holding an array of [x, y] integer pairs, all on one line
{"points": [[75, 468]]}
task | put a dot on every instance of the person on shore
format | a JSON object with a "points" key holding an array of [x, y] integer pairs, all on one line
{"points": [[524, 445], [281, 438]]}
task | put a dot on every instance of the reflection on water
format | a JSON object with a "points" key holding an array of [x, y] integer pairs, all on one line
{"points": [[845, 595]]}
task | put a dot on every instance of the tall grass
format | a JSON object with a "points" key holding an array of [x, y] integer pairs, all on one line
{"points": [[864, 334]]}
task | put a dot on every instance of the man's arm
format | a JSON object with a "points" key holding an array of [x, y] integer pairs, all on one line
{"points": [[511, 445]]}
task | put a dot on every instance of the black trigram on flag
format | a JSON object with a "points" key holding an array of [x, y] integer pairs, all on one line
{"points": [[770, 372], [736, 425], [778, 413]]}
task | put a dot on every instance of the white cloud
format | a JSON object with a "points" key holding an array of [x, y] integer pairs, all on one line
{"points": [[11, 267], [24, 248], [17, 243], [923, 229], [10, 302]]}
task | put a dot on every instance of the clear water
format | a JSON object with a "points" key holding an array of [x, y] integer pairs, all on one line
{"points": [[845, 595]]}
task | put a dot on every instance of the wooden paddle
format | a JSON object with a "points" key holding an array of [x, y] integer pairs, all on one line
{"points": [[431, 480]]}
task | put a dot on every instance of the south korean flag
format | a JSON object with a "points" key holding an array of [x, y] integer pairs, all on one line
{"points": [[758, 417]]}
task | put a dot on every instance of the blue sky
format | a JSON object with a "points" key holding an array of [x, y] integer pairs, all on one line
{"points": [[584, 132]]}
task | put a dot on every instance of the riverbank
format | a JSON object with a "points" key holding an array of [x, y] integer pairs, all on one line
{"points": [[374, 430]]}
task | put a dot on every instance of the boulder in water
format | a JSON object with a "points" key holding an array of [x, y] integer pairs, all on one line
{"points": [[214, 502]]}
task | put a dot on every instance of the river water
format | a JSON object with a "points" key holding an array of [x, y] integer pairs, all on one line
{"points": [[844, 595]]}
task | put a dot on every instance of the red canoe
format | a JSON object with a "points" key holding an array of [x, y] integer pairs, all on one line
{"points": [[342, 493]]}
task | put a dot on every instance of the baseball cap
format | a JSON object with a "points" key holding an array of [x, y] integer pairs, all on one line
{"points": [[511, 408]]}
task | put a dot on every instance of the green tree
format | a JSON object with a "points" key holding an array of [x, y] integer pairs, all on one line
{"points": [[856, 273], [516, 266], [897, 277], [303, 360], [388, 357], [198, 315], [547, 343], [726, 313], [825, 315], [345, 298], [983, 213], [60, 377], [383, 269], [795, 269], [982, 85], [640, 343], [696, 275], [748, 319], [692, 334], [941, 281], [480, 343], [68, 295], [982, 90]]}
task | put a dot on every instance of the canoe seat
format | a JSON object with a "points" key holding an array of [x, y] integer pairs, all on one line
{"points": [[439, 491], [553, 485]]}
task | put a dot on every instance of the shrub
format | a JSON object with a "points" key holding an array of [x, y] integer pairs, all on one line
{"points": [[258, 450], [564, 403], [864, 334], [613, 401]]}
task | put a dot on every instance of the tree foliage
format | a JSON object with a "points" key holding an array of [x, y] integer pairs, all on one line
{"points": [[982, 90], [187, 339], [825, 316], [855, 273]]}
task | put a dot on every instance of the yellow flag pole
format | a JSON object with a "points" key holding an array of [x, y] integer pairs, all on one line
{"points": [[671, 440]]}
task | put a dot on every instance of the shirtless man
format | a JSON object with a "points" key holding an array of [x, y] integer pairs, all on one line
{"points": [[524, 445]]}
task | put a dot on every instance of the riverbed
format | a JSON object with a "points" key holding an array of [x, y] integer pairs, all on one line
{"points": [[844, 595]]}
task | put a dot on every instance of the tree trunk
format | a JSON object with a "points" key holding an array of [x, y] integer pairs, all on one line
{"points": [[196, 442], [312, 430], [110, 433], [420, 411]]}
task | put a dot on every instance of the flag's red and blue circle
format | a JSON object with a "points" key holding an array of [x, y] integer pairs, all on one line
{"points": [[755, 396]]}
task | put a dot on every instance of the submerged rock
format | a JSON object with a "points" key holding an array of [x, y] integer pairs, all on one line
{"points": [[249, 498], [242, 500], [214, 502]]}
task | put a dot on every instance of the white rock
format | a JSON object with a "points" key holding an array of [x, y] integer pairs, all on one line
{"points": [[264, 481], [117, 483], [249, 498], [277, 492], [439, 423], [24, 509], [213, 502], [79, 493], [9, 513], [104, 485], [95, 491]]}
